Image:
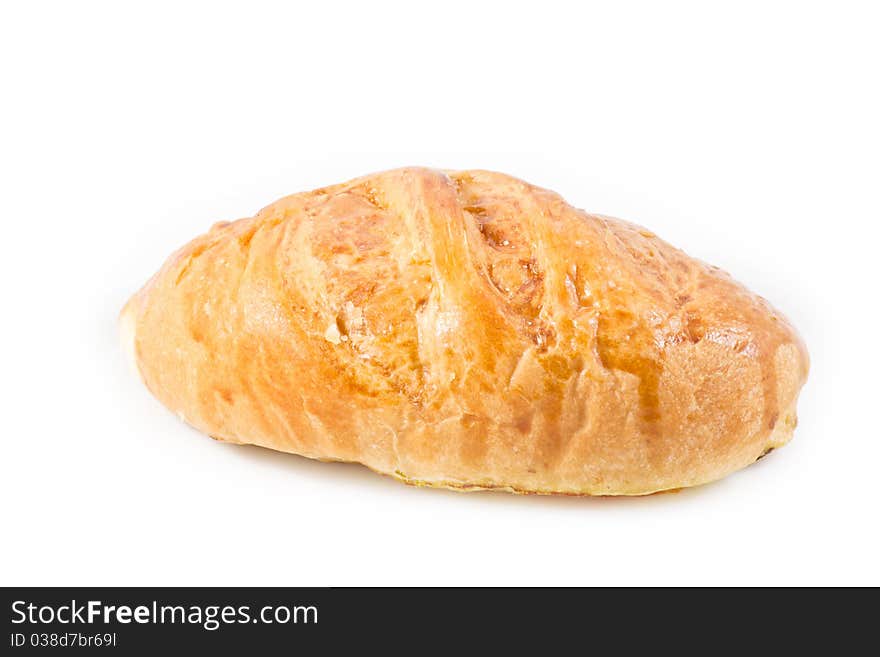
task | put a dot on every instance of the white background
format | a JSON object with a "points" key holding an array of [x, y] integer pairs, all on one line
{"points": [[745, 133]]}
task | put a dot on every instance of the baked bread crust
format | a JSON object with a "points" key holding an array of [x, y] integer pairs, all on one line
{"points": [[471, 331]]}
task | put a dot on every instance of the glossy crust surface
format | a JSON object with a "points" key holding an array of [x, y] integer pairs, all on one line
{"points": [[467, 330]]}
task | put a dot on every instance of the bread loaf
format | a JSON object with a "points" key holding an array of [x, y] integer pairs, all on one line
{"points": [[470, 331]]}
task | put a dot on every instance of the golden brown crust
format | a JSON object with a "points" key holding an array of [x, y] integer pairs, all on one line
{"points": [[468, 330]]}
